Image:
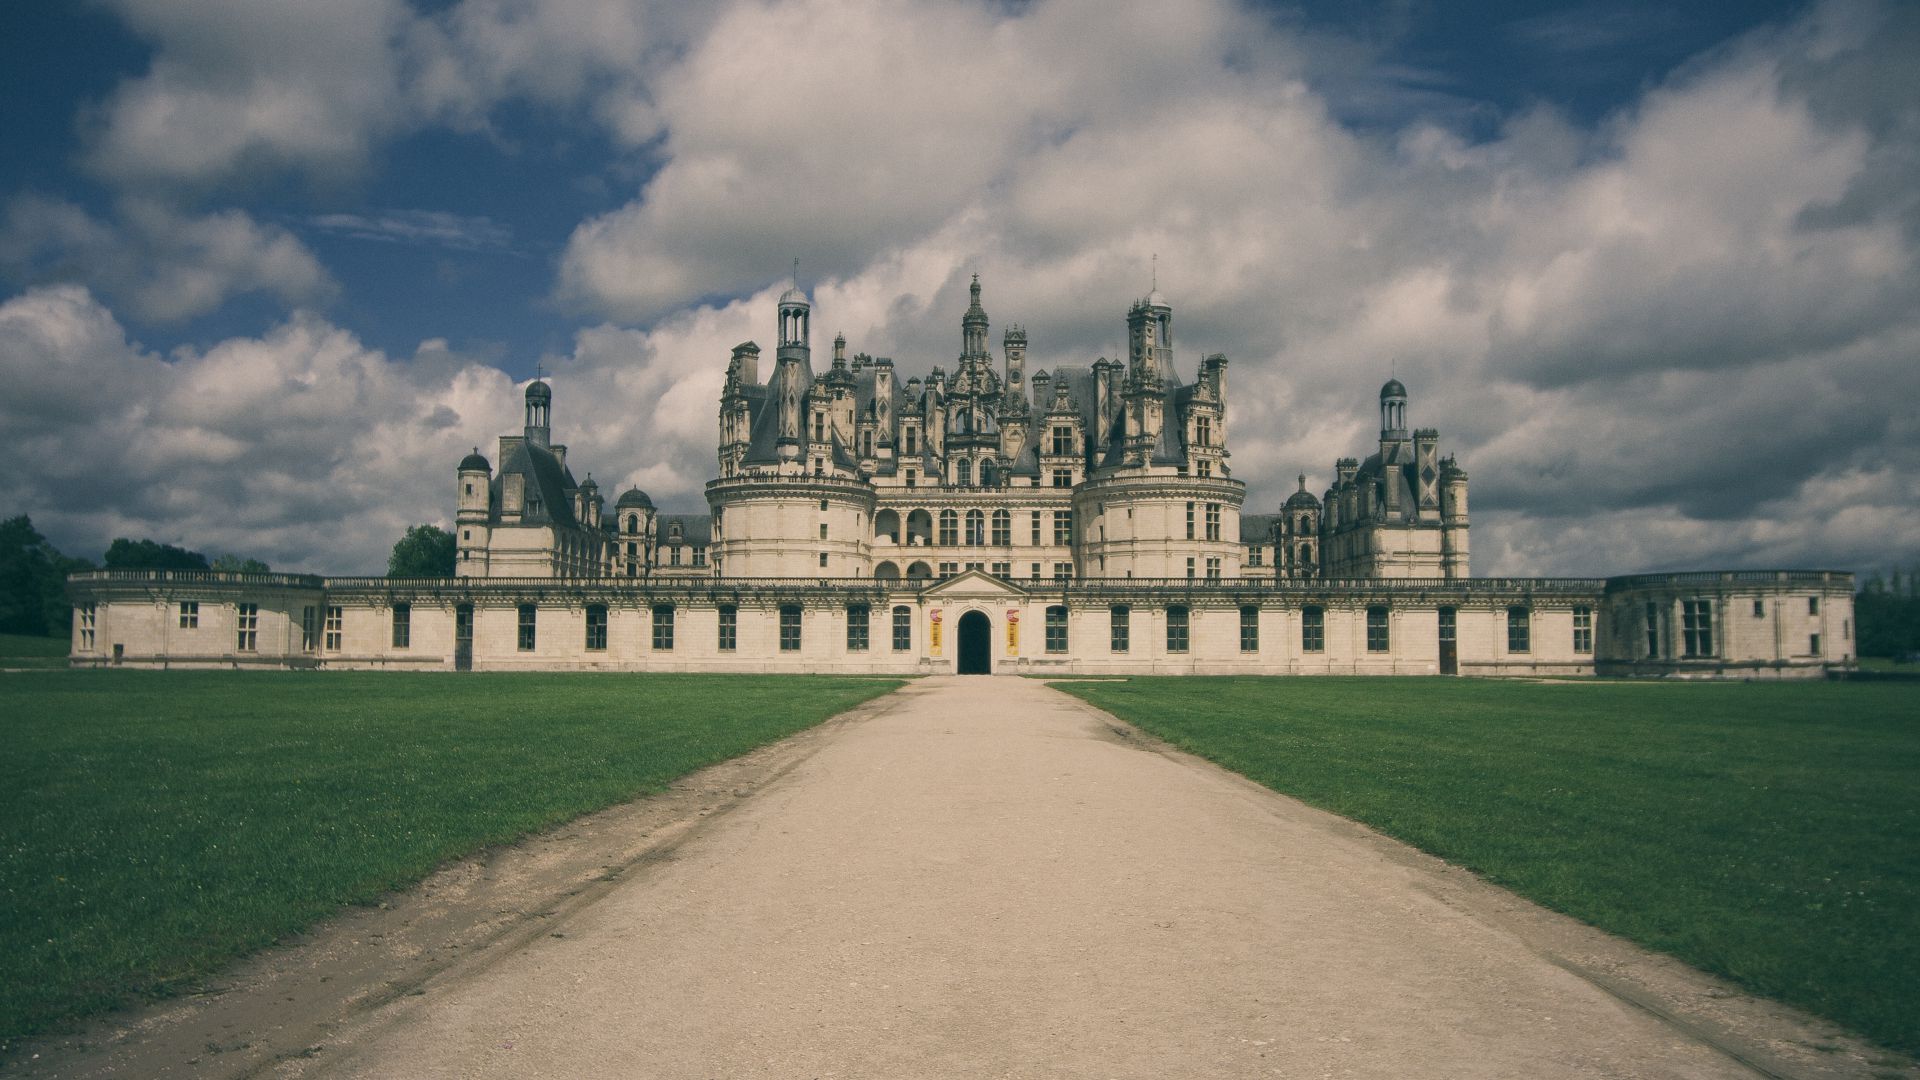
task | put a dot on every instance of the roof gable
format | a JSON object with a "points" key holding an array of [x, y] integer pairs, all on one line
{"points": [[975, 584]]}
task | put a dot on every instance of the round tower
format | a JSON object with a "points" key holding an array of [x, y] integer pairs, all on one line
{"points": [[539, 427], [633, 522], [473, 506], [1393, 410]]}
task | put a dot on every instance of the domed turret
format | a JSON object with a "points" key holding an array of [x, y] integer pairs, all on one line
{"points": [[475, 462], [633, 499], [539, 429], [1392, 389], [1393, 410], [1302, 499]]}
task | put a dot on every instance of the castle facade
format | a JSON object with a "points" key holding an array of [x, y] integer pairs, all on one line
{"points": [[1080, 519]]}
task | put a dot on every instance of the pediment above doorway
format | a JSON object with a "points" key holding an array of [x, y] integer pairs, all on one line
{"points": [[974, 585]]}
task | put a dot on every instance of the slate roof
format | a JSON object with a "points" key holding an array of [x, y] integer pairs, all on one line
{"points": [[695, 529], [548, 487]]}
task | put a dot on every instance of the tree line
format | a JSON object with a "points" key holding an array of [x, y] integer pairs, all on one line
{"points": [[1886, 612], [33, 573]]}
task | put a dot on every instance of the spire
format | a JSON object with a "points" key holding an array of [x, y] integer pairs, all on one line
{"points": [[973, 325]]}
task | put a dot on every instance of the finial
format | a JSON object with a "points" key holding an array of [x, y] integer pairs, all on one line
{"points": [[1156, 271], [1303, 481], [796, 272]]}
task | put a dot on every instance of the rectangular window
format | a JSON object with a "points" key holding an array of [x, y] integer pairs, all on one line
{"points": [[89, 613], [1255, 555], [596, 627], [729, 627], [823, 530], [790, 628], [1062, 571], [527, 639], [1582, 629], [1062, 441], [1213, 521], [1002, 570], [247, 627], [1653, 628], [910, 476], [673, 556], [699, 556], [1447, 624], [1063, 478], [1036, 572], [1176, 629], [1119, 627], [309, 628], [1313, 629], [1814, 646], [1377, 639], [1190, 521], [1056, 629], [1062, 527], [949, 528], [1213, 569], [663, 627], [1189, 566], [403, 626], [1696, 625], [902, 629], [1249, 629], [857, 627], [1813, 607], [1519, 630], [1759, 609], [1036, 530], [189, 614], [336, 627], [823, 560], [949, 569], [1205, 466]]}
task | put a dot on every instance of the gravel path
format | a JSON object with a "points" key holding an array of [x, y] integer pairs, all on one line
{"points": [[988, 878]]}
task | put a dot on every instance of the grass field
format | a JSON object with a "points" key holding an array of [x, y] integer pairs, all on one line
{"points": [[1766, 833], [26, 651], [154, 825]]}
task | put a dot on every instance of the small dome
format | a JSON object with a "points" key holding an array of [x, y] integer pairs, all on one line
{"points": [[538, 390], [1301, 500], [1156, 299], [634, 497], [1392, 389], [474, 462], [794, 296], [589, 484]]}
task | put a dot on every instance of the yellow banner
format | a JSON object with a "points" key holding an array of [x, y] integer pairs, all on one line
{"points": [[1013, 632], [933, 632]]}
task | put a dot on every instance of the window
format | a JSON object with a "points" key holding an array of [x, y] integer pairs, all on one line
{"points": [[673, 556], [88, 614], [949, 569], [699, 556], [902, 629], [1062, 441], [1582, 629], [1189, 521], [1759, 609], [857, 627], [1213, 521], [1377, 638], [729, 627], [1036, 531], [1176, 629], [913, 446], [336, 623], [1249, 629], [247, 627], [963, 473], [1119, 627], [1062, 571], [1313, 629], [823, 530], [1002, 529], [1189, 566], [1213, 569], [1653, 628], [663, 627], [309, 628], [1519, 630], [1003, 570], [1696, 627], [1036, 572], [976, 528], [790, 628], [189, 614], [1814, 645], [1203, 431], [1063, 527], [1056, 629], [1063, 478], [1254, 555], [1813, 608], [1447, 632], [823, 560], [526, 627], [402, 626], [949, 528], [1205, 466], [910, 478]]}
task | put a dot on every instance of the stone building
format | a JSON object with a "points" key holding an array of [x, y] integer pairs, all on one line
{"points": [[1084, 518]]}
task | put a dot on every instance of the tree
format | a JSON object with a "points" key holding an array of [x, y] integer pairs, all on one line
{"points": [[125, 554], [33, 578], [1887, 616], [425, 551], [234, 564]]}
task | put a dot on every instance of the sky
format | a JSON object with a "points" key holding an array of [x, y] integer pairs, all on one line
{"points": [[270, 268]]}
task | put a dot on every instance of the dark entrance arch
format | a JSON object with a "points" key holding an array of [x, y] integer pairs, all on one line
{"points": [[976, 644]]}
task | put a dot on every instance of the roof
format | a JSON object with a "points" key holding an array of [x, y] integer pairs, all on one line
{"points": [[695, 529], [475, 461], [1257, 528], [633, 497], [1392, 389], [548, 484]]}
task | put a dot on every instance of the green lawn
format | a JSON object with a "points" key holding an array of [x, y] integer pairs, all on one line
{"points": [[1767, 833], [27, 651], [154, 825]]}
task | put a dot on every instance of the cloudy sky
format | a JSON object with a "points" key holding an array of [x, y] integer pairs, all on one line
{"points": [[269, 268]]}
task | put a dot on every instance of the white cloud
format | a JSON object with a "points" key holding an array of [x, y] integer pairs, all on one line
{"points": [[164, 264]]}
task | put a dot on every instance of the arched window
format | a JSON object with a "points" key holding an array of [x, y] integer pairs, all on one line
{"points": [[949, 527], [963, 473], [1002, 528], [976, 528], [986, 474]]}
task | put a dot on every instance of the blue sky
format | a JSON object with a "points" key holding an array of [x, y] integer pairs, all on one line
{"points": [[267, 269]]}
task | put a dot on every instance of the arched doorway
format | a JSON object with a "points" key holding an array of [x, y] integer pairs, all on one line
{"points": [[976, 644]]}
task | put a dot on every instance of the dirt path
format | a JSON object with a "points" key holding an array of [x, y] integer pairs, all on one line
{"points": [[969, 878]]}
